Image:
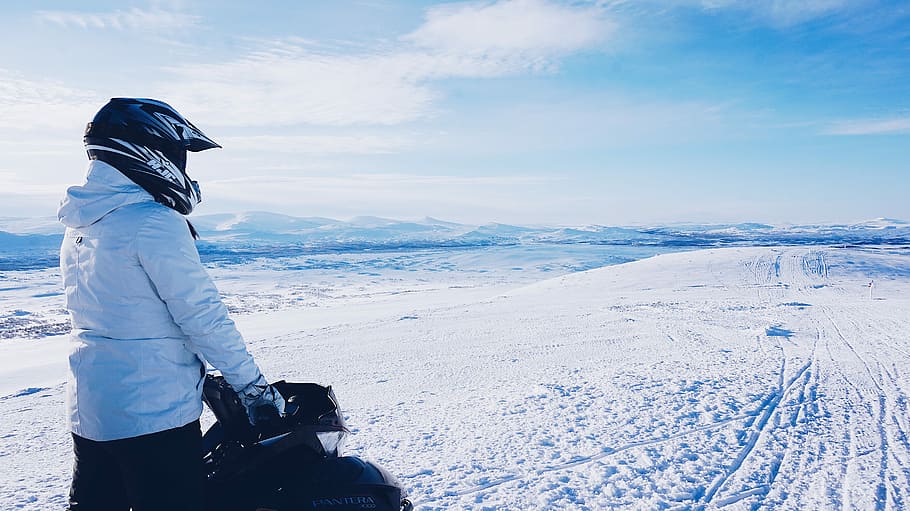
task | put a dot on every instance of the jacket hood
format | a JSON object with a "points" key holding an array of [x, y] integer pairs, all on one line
{"points": [[105, 190]]}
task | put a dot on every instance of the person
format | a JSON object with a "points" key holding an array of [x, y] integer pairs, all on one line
{"points": [[146, 317]]}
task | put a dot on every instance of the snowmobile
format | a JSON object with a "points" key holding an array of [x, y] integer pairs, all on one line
{"points": [[289, 463]]}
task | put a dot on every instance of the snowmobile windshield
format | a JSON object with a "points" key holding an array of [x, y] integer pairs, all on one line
{"points": [[332, 442]]}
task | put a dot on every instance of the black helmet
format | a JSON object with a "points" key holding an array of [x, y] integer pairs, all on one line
{"points": [[147, 141]]}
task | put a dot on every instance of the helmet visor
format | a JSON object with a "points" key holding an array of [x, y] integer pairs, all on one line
{"points": [[193, 139]]}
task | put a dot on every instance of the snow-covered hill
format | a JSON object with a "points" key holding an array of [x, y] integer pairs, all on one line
{"points": [[738, 378], [252, 227], [33, 243]]}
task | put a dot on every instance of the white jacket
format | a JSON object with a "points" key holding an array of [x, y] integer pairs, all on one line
{"points": [[145, 313]]}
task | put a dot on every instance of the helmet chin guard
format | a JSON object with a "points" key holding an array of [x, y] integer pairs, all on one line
{"points": [[147, 141]]}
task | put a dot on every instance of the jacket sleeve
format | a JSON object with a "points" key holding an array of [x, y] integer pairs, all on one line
{"points": [[168, 255]]}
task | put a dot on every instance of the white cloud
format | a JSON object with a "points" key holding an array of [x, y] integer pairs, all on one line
{"points": [[788, 12], [443, 180], [27, 104], [132, 19], [460, 198], [778, 13], [595, 121], [41, 146], [317, 144], [283, 86], [892, 126], [373, 180], [289, 83], [511, 27], [15, 183], [781, 12]]}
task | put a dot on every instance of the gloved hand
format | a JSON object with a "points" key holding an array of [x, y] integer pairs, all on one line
{"points": [[261, 400]]}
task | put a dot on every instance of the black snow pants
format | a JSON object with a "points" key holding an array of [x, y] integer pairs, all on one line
{"points": [[157, 472]]}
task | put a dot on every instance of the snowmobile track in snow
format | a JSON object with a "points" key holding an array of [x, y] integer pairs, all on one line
{"points": [[607, 452]]}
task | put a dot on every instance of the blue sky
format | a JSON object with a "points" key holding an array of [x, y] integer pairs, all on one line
{"points": [[519, 111]]}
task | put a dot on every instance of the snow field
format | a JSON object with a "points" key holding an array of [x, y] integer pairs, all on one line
{"points": [[742, 378], [718, 379]]}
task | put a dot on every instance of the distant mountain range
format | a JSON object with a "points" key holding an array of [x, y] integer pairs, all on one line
{"points": [[261, 227], [258, 233]]}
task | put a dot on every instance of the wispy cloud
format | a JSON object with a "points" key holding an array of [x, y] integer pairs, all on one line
{"points": [[892, 126], [288, 85], [17, 184], [789, 12], [132, 19], [288, 82], [27, 104], [444, 180], [781, 13], [318, 144], [462, 198], [370, 181], [511, 27]]}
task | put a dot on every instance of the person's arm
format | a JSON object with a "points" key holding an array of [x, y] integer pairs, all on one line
{"points": [[169, 256]]}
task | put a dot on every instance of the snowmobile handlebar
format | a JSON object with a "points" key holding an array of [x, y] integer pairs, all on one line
{"points": [[310, 408]]}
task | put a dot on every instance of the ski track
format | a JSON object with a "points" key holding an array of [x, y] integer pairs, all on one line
{"points": [[734, 379]]}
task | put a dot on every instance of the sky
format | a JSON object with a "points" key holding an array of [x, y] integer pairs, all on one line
{"points": [[533, 112]]}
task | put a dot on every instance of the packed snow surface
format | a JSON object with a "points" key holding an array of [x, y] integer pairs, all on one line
{"points": [[734, 378]]}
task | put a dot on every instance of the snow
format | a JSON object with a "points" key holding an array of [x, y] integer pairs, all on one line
{"points": [[731, 378]]}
